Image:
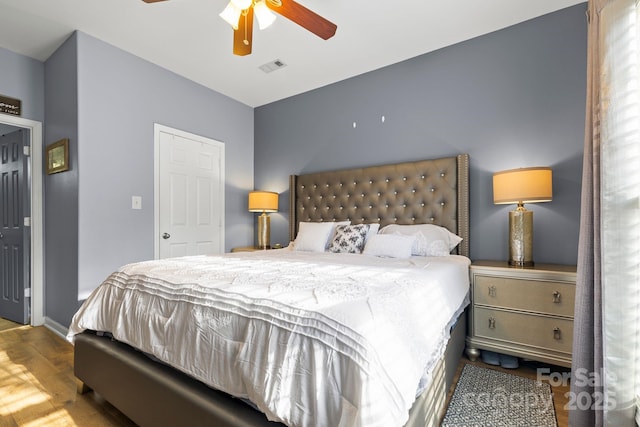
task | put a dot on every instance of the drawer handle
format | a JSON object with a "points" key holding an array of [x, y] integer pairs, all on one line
{"points": [[557, 297], [492, 291], [492, 323], [557, 334]]}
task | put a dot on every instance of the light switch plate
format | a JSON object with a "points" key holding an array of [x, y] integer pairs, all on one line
{"points": [[136, 202]]}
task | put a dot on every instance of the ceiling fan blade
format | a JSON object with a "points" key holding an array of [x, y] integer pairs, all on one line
{"points": [[152, 1], [304, 17], [243, 36]]}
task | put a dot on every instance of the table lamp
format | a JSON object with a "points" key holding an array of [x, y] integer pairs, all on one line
{"points": [[263, 201], [524, 185]]}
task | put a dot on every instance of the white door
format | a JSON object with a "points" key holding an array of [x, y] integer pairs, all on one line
{"points": [[189, 195]]}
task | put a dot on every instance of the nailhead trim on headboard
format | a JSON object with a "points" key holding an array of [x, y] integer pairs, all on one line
{"points": [[428, 191]]}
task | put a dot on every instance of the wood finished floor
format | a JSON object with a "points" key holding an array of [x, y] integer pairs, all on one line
{"points": [[38, 388]]}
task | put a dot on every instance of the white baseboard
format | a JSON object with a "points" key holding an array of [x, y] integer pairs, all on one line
{"points": [[56, 327]]}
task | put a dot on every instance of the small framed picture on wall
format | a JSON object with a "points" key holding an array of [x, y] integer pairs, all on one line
{"points": [[57, 156]]}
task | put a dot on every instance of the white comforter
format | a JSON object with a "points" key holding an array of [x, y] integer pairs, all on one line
{"points": [[311, 339]]}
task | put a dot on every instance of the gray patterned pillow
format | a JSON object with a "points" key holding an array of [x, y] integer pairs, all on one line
{"points": [[349, 238]]}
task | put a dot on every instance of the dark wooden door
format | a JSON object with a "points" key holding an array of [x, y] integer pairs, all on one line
{"points": [[14, 244]]}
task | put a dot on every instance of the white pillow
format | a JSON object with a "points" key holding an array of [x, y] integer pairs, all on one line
{"points": [[431, 240], [373, 229], [389, 245], [314, 236], [424, 246]]}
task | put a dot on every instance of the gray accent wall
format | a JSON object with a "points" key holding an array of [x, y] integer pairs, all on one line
{"points": [[120, 98], [22, 78], [513, 98], [106, 102], [61, 189]]}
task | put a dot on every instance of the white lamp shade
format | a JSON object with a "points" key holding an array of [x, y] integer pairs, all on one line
{"points": [[264, 15], [524, 185], [263, 201], [242, 4], [231, 15]]}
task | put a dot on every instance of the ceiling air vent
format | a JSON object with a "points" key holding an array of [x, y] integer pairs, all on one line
{"points": [[272, 66]]}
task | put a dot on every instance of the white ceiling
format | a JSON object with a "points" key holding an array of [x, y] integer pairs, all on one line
{"points": [[188, 38]]}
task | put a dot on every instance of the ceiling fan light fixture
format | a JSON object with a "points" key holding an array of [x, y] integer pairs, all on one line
{"points": [[242, 4], [231, 14], [264, 15], [290, 9]]}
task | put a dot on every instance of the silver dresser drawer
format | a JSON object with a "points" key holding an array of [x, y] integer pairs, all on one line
{"points": [[517, 328], [538, 296]]}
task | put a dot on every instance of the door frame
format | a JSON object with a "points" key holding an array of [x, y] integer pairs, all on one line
{"points": [[157, 128], [37, 220]]}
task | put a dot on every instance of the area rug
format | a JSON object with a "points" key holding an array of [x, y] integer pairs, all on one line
{"points": [[486, 397]]}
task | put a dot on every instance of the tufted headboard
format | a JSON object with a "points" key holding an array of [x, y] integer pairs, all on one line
{"points": [[427, 191]]}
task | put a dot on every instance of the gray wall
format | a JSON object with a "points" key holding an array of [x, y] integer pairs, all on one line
{"points": [[23, 78], [513, 98], [61, 189], [106, 102], [120, 98]]}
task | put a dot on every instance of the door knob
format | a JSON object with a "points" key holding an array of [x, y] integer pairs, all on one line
{"points": [[166, 236], [1, 236]]}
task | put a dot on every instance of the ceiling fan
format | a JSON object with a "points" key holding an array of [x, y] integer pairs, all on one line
{"points": [[239, 14]]}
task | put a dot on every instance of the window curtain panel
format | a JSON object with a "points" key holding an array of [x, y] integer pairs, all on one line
{"points": [[587, 336], [606, 343]]}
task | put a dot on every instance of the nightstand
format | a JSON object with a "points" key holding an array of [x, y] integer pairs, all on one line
{"points": [[525, 312]]}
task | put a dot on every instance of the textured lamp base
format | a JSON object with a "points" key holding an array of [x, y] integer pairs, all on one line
{"points": [[521, 238], [264, 231]]}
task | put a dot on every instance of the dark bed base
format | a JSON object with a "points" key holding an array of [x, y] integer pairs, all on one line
{"points": [[153, 394]]}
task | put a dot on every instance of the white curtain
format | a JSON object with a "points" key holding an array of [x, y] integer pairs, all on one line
{"points": [[619, 109]]}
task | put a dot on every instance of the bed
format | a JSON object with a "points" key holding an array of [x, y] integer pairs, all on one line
{"points": [[135, 369]]}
